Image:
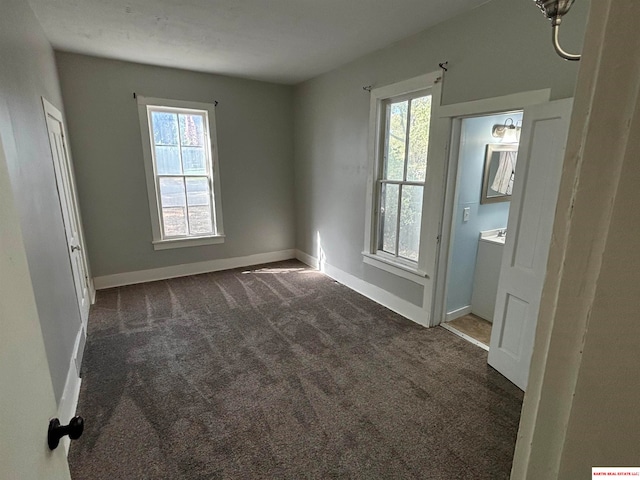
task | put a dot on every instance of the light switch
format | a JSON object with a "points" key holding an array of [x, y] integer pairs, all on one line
{"points": [[465, 214]]}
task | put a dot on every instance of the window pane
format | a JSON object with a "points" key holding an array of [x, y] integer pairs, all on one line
{"points": [[396, 135], [419, 138], [194, 161], [168, 160], [175, 221], [388, 218], [191, 129], [200, 220], [165, 128], [172, 192], [198, 191], [199, 200], [174, 206], [410, 217]]}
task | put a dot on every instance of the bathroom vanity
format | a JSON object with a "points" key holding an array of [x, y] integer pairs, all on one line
{"points": [[487, 273]]}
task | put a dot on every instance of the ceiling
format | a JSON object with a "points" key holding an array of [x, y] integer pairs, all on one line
{"points": [[285, 41]]}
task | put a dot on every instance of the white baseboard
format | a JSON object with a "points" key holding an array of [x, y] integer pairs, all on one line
{"points": [[377, 294], [142, 276], [71, 393], [460, 312], [306, 258], [92, 291]]}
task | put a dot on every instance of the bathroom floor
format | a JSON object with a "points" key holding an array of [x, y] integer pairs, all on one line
{"points": [[473, 326]]}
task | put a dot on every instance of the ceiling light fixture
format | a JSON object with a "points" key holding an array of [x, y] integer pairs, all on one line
{"points": [[507, 131]]}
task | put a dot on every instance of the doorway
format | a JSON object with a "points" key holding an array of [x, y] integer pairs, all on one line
{"points": [[486, 161], [522, 265]]}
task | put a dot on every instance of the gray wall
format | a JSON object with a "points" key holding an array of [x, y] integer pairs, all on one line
{"points": [[499, 48], [475, 135], [254, 127], [28, 72]]}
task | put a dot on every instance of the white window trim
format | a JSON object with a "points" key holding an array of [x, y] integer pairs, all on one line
{"points": [[394, 266], [160, 243], [416, 272]]}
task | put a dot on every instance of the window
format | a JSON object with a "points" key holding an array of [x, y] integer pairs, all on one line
{"points": [[404, 168], [180, 152], [400, 131]]}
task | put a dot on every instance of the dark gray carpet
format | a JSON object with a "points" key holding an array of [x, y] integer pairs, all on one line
{"points": [[280, 372]]}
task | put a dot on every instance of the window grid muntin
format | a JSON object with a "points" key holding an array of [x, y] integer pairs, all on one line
{"points": [[383, 173], [208, 165]]}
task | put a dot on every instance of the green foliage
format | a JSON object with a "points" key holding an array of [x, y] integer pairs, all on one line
{"points": [[396, 140], [419, 139]]}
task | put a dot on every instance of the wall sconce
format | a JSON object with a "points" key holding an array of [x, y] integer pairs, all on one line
{"points": [[554, 10], [507, 131]]}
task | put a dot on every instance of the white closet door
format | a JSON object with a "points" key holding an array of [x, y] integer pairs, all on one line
{"points": [[69, 205]]}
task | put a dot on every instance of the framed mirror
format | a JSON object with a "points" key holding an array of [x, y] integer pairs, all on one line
{"points": [[499, 172]]}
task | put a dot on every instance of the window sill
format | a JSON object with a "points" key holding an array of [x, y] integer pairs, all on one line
{"points": [[399, 269], [187, 242]]}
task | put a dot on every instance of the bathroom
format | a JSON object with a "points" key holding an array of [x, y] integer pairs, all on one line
{"points": [[485, 171]]}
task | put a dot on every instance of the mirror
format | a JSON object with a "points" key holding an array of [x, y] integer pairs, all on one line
{"points": [[499, 171]]}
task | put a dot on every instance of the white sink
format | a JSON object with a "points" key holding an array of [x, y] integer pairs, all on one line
{"points": [[494, 236]]}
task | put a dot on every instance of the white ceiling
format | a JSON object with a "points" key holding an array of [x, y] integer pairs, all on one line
{"points": [[284, 41]]}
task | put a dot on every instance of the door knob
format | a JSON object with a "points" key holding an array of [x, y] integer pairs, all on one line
{"points": [[57, 431], [75, 247]]}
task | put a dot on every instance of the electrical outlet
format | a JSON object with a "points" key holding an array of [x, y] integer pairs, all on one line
{"points": [[466, 212]]}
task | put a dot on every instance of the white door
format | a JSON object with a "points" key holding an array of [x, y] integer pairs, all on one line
{"points": [[524, 261], [27, 401], [69, 205]]}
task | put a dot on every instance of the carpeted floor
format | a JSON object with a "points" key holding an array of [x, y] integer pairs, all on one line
{"points": [[278, 372]]}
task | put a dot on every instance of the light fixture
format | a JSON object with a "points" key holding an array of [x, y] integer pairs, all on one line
{"points": [[507, 131], [555, 10]]}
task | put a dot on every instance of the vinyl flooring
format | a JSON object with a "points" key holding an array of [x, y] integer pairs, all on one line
{"points": [[474, 326]]}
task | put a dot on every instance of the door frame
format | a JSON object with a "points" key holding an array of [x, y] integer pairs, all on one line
{"points": [[450, 120]]}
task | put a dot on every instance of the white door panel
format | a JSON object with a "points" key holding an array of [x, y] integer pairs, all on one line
{"points": [[69, 206], [526, 250], [27, 401]]}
